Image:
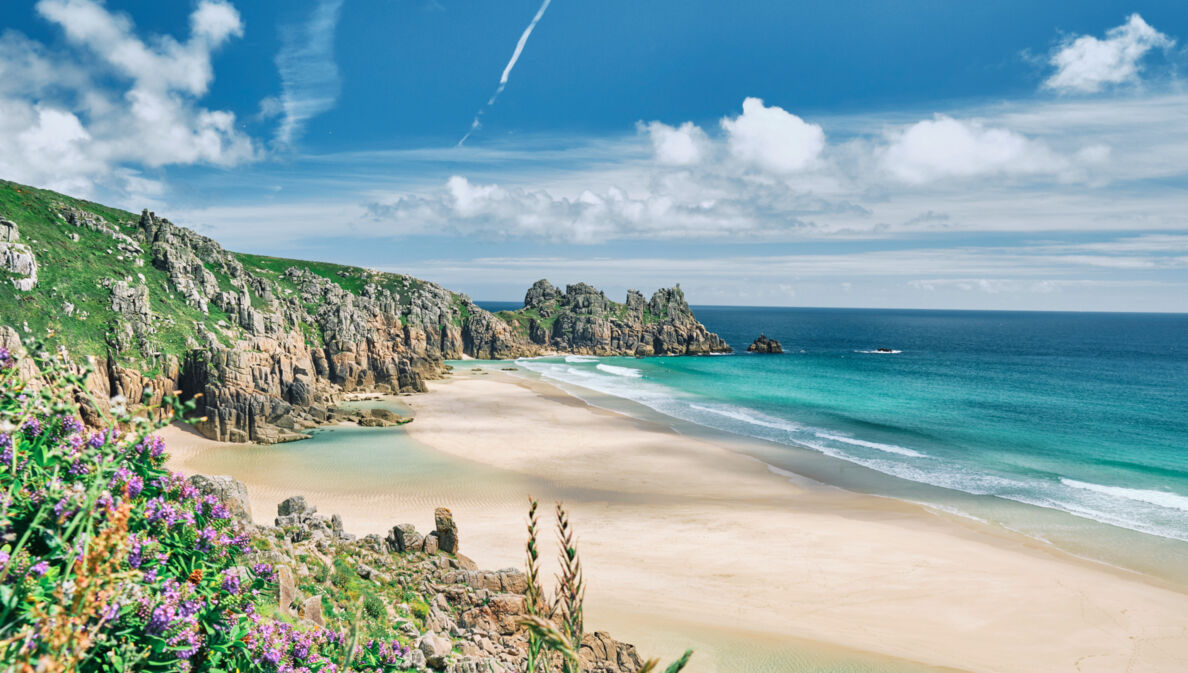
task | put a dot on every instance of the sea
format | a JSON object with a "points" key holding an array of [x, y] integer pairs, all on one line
{"points": [[1068, 428]]}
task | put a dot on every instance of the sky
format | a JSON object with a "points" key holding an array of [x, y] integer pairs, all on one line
{"points": [[923, 154]]}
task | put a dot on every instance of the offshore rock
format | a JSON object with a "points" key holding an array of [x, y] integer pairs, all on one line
{"points": [[765, 345]]}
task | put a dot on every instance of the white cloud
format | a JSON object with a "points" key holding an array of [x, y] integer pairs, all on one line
{"points": [[676, 146], [944, 147], [64, 125], [1086, 64], [772, 138], [309, 75]]}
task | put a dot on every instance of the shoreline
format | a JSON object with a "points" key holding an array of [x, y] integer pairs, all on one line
{"points": [[774, 559]]}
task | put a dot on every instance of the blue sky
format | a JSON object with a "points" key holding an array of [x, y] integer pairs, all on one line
{"points": [[908, 154]]}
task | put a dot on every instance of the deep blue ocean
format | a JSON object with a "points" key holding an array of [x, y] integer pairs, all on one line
{"points": [[1064, 426]]}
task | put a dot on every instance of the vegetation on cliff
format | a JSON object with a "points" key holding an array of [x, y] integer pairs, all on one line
{"points": [[268, 346]]}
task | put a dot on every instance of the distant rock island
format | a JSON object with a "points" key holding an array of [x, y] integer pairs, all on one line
{"points": [[582, 320], [765, 345], [274, 345]]}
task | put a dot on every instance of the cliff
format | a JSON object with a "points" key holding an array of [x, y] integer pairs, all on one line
{"points": [[582, 320], [268, 345]]}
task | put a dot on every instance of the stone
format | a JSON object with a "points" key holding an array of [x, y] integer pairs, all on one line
{"points": [[765, 345], [430, 545], [311, 610], [294, 505], [435, 648], [404, 537], [601, 652], [18, 259], [286, 589], [447, 530], [233, 494], [9, 232]]}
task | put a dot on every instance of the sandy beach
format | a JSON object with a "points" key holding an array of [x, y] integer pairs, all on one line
{"points": [[679, 534]]}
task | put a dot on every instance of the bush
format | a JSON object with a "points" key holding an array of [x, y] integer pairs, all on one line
{"points": [[374, 607]]}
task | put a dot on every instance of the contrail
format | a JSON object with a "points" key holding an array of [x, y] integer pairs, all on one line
{"points": [[507, 70]]}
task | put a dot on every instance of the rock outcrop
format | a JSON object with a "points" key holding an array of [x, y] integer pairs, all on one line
{"points": [[17, 258], [269, 347], [465, 620], [582, 320], [765, 345]]}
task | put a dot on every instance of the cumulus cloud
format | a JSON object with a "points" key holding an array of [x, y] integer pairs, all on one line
{"points": [[65, 125], [944, 147], [682, 145], [309, 74], [668, 209], [772, 138], [1086, 64]]}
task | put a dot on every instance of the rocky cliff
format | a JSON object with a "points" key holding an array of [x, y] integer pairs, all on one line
{"points": [[582, 320], [267, 345]]}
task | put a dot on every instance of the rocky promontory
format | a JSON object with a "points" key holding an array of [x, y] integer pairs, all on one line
{"points": [[269, 347], [582, 320], [765, 345]]}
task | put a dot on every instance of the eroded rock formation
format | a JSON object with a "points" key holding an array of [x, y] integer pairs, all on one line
{"points": [[583, 320]]}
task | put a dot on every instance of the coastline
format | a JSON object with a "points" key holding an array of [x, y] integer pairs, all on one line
{"points": [[674, 525]]}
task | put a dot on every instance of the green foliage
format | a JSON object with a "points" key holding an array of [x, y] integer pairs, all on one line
{"points": [[373, 606], [110, 563], [557, 626]]}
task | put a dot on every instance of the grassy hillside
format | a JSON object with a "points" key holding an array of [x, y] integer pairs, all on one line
{"points": [[72, 273], [72, 299]]}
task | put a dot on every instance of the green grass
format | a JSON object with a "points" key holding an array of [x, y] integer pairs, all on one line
{"points": [[74, 272]]}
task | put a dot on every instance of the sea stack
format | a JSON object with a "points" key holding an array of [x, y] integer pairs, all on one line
{"points": [[765, 345]]}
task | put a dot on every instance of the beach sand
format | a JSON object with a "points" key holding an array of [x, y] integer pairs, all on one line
{"points": [[681, 536]]}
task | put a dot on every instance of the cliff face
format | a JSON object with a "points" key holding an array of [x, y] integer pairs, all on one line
{"points": [[273, 344], [582, 320]]}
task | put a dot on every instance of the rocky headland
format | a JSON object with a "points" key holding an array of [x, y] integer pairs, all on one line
{"points": [[267, 346], [582, 320]]}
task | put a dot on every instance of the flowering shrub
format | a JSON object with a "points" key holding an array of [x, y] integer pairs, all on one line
{"points": [[110, 563]]}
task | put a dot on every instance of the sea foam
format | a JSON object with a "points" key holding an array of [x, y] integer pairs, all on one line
{"points": [[1163, 499], [620, 371], [1153, 512]]}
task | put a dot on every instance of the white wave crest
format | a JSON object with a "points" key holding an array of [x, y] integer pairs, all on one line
{"points": [[754, 418], [1164, 499], [579, 358], [889, 448], [878, 352], [620, 371]]}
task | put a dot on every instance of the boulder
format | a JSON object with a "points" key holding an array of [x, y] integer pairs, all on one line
{"points": [[404, 537], [435, 648], [294, 505], [602, 653], [233, 494], [311, 610], [447, 530], [286, 589]]}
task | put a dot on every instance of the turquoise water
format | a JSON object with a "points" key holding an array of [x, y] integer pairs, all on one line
{"points": [[1069, 427]]}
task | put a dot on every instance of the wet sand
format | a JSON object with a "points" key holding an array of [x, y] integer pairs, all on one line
{"points": [[682, 536]]}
